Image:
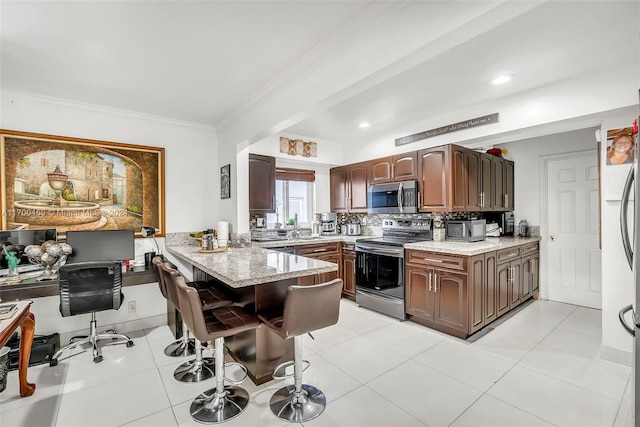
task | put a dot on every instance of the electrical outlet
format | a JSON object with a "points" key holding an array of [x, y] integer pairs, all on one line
{"points": [[132, 306]]}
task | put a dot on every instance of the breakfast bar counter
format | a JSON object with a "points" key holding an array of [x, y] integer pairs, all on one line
{"points": [[258, 279], [241, 267]]}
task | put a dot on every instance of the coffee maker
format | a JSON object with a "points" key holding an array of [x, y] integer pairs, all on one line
{"points": [[329, 222]]}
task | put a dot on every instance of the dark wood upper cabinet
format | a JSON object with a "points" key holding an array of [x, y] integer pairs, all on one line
{"points": [[502, 177], [358, 186], [459, 179], [349, 185], [451, 178], [433, 182], [338, 184], [442, 179], [509, 170], [262, 184], [497, 177], [479, 185], [401, 167], [380, 170]]}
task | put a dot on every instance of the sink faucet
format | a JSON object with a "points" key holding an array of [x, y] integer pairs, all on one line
{"points": [[295, 233]]}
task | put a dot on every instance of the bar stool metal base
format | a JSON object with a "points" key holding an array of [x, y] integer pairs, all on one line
{"points": [[208, 407], [190, 372], [307, 406], [181, 348]]}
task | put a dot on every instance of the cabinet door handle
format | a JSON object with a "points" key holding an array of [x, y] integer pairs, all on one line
{"points": [[509, 275], [320, 250], [481, 201], [429, 282], [433, 260], [507, 202], [435, 282], [393, 174]]}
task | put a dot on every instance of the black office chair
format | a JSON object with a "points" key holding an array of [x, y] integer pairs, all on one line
{"points": [[88, 287]]}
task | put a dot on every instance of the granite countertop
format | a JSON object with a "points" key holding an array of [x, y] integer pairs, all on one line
{"points": [[241, 267], [473, 248], [308, 241]]}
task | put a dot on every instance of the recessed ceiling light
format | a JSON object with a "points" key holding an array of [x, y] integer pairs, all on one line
{"points": [[502, 79], [364, 125]]}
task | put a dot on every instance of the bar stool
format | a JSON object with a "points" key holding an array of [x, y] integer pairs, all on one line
{"points": [[185, 346], [306, 309], [223, 402], [211, 298], [200, 368]]}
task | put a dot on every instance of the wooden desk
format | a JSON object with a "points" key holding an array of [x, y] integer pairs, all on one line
{"points": [[26, 321]]}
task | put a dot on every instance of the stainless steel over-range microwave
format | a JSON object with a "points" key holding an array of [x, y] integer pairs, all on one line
{"points": [[398, 197]]}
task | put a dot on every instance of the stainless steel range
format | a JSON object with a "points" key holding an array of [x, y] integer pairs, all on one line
{"points": [[380, 265]]}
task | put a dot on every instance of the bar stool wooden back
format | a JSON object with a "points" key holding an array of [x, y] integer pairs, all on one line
{"points": [[306, 308]]}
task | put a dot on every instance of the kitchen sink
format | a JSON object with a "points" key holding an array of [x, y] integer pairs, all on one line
{"points": [[269, 239]]}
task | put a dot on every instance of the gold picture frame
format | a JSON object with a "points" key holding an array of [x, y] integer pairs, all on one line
{"points": [[70, 183]]}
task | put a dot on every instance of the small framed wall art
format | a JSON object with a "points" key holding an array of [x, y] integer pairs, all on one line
{"points": [[225, 181]]}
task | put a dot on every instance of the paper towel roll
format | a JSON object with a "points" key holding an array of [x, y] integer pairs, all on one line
{"points": [[223, 232]]}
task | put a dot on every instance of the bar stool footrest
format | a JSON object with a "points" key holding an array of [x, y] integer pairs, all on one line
{"points": [[279, 373], [241, 366]]}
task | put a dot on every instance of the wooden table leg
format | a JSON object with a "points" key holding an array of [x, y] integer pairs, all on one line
{"points": [[26, 340]]}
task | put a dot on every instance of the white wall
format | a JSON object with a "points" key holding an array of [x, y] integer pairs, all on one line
{"points": [[618, 288], [190, 181], [329, 154], [617, 279]]}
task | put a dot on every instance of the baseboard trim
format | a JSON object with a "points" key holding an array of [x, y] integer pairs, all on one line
{"points": [[616, 355]]}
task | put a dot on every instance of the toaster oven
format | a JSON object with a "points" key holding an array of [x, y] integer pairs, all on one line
{"points": [[471, 230]]}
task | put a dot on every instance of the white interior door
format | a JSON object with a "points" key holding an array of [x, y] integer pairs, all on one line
{"points": [[574, 258]]}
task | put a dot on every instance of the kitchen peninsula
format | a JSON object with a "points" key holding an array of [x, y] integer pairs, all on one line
{"points": [[258, 278]]}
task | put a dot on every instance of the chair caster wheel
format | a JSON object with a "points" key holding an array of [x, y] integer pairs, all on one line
{"points": [[53, 362], [129, 343], [97, 359]]}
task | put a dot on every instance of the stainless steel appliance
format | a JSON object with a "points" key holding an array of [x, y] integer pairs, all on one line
{"points": [[380, 265], [632, 192], [353, 229], [399, 197], [469, 230], [507, 223], [329, 222]]}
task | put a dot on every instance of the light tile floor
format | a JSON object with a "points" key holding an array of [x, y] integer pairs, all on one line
{"points": [[538, 368]]}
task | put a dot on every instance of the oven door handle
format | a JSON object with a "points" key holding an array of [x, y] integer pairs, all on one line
{"points": [[376, 250]]}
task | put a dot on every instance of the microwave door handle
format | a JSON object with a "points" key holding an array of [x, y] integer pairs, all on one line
{"points": [[400, 197], [624, 204]]}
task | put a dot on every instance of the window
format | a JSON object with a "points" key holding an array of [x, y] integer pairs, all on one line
{"points": [[295, 194]]}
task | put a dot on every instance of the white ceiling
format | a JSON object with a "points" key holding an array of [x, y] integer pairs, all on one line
{"points": [[318, 68]]}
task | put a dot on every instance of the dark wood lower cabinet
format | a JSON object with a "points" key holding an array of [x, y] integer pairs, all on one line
{"points": [[349, 273], [329, 252], [437, 298], [471, 292]]}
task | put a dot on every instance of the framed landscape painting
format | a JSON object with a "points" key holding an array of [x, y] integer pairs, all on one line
{"points": [[79, 184]]}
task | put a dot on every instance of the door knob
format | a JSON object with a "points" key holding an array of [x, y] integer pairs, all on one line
{"points": [[552, 238]]}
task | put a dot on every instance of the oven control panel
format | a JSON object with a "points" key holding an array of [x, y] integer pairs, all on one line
{"points": [[411, 224]]}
